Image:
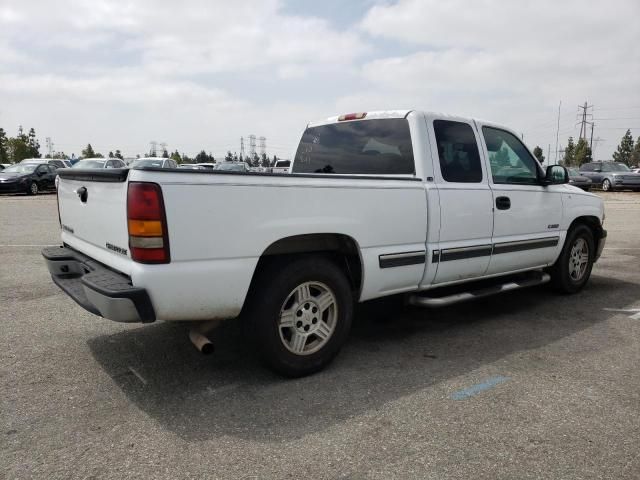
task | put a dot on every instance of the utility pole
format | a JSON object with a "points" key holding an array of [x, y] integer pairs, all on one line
{"points": [[549, 153], [558, 131], [242, 149], [591, 141], [584, 122]]}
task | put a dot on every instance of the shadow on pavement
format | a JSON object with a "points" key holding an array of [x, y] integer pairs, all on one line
{"points": [[388, 356]]}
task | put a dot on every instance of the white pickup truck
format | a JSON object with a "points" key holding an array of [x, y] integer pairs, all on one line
{"points": [[376, 204]]}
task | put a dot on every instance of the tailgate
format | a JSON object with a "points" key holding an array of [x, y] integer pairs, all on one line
{"points": [[93, 214]]}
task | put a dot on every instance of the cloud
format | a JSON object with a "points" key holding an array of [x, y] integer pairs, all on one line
{"points": [[511, 61]]}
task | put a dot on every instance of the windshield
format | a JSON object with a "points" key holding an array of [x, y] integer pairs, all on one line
{"points": [[381, 147], [21, 168], [232, 167], [89, 164], [619, 167], [148, 163]]}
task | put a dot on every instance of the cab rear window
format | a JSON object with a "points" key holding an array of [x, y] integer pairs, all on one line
{"points": [[367, 147]]}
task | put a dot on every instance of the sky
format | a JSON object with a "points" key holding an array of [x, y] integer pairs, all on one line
{"points": [[199, 74]]}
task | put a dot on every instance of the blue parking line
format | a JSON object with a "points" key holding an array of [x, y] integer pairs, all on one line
{"points": [[480, 387]]}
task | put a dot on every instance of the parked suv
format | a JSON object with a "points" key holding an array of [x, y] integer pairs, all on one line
{"points": [[611, 176]]}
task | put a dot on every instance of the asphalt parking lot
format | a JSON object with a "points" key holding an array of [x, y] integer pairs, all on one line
{"points": [[526, 385]]}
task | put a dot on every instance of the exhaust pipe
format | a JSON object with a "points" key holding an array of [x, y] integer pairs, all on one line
{"points": [[202, 343]]}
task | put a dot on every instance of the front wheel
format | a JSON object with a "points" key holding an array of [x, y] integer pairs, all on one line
{"points": [[606, 185], [572, 270], [299, 314]]}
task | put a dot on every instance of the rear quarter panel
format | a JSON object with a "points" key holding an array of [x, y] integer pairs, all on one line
{"points": [[219, 225]]}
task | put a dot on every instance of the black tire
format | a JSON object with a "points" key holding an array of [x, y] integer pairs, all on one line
{"points": [[606, 185], [273, 289], [33, 189], [561, 278]]}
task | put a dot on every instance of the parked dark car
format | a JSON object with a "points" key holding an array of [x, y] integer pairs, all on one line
{"points": [[30, 178], [578, 180], [611, 176]]}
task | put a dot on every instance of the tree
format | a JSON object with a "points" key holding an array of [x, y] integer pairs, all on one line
{"points": [[17, 149], [202, 157], [537, 152], [33, 144], [228, 157], [119, 155], [88, 152], [4, 156], [175, 156], [165, 154], [583, 152], [625, 149], [111, 155], [568, 159], [264, 161], [635, 155]]}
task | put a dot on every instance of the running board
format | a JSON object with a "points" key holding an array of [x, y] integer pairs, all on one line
{"points": [[532, 280]]}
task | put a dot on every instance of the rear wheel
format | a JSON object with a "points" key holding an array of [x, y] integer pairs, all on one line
{"points": [[300, 314], [606, 185], [572, 270], [32, 189]]}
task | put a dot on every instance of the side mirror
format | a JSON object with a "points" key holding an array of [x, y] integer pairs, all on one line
{"points": [[556, 175]]}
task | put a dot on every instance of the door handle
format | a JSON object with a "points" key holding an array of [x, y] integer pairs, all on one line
{"points": [[503, 203]]}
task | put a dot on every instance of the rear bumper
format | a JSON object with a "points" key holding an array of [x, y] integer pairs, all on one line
{"points": [[97, 288], [601, 241]]}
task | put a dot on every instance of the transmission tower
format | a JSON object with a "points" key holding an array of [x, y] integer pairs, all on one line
{"points": [[263, 146], [242, 149], [153, 152], [163, 147], [252, 146], [584, 117], [49, 144]]}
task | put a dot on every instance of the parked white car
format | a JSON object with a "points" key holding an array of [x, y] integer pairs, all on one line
{"points": [[99, 163], [281, 166], [378, 203]]}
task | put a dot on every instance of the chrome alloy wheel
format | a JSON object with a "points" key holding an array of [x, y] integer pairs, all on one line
{"points": [[308, 318], [578, 259], [33, 188]]}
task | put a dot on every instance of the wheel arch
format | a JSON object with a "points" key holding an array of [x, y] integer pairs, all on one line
{"points": [[593, 223], [340, 247]]}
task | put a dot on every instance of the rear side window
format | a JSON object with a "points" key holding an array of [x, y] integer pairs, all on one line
{"points": [[458, 152], [368, 147], [587, 167]]}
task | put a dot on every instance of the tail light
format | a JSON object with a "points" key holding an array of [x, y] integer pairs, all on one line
{"points": [[147, 222], [352, 116]]}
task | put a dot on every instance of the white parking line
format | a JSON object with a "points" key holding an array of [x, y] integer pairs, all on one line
{"points": [[140, 377], [20, 246], [635, 311]]}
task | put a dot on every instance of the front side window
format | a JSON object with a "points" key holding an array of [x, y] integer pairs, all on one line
{"points": [[587, 167], [510, 160], [362, 147], [458, 152]]}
